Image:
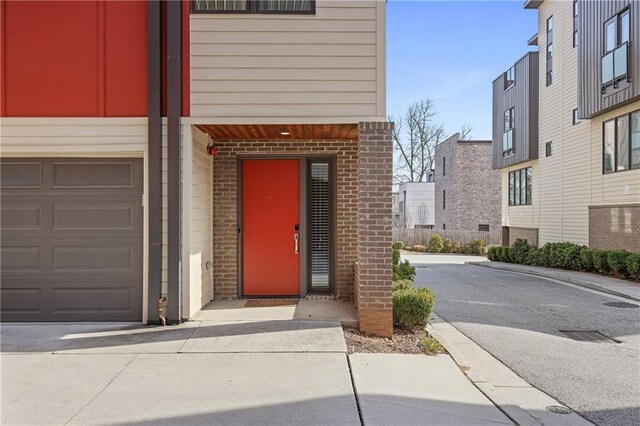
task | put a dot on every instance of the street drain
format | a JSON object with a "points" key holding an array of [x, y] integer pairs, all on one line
{"points": [[588, 336], [558, 409], [621, 305]]}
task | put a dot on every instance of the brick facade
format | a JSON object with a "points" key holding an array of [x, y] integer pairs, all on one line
{"points": [[473, 188], [225, 193], [373, 285], [615, 227], [529, 234]]}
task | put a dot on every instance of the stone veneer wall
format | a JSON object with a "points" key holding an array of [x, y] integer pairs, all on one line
{"points": [[446, 182], [615, 226]]}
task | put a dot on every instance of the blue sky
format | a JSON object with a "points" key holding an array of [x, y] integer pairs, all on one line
{"points": [[450, 52]]}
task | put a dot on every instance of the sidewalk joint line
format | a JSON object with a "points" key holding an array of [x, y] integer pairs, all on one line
{"points": [[355, 391], [101, 390]]}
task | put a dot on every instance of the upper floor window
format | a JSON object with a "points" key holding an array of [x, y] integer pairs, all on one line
{"points": [[575, 22], [520, 187], [576, 117], [549, 75], [548, 149], [510, 78], [615, 60], [621, 143], [254, 6], [507, 135], [444, 166]]}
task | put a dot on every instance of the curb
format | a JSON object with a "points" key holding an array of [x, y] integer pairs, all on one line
{"points": [[512, 409], [544, 274]]}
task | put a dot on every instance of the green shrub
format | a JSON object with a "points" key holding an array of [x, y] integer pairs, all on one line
{"points": [[601, 261], [586, 256], [412, 307], [402, 270], [447, 246], [533, 256], [474, 247], [455, 247], [570, 257], [435, 244], [402, 285], [633, 265], [618, 262], [492, 253], [520, 250], [505, 255], [399, 245]]}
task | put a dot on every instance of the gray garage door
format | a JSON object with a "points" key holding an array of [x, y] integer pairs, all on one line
{"points": [[71, 244]]}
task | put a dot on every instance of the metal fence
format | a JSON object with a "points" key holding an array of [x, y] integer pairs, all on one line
{"points": [[422, 236]]}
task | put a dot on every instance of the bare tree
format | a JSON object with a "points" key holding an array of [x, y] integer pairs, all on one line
{"points": [[415, 137], [423, 214], [465, 132]]}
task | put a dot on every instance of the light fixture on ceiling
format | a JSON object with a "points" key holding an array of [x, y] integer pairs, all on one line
{"points": [[285, 133]]}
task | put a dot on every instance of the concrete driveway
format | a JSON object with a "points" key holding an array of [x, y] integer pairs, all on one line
{"points": [[264, 371]]}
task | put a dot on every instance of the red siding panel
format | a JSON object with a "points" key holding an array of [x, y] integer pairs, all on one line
{"points": [[51, 58], [74, 59], [126, 58]]}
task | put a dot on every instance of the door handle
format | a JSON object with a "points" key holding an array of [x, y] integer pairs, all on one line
{"points": [[296, 238]]}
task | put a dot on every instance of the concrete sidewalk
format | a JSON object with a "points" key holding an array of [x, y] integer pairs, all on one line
{"points": [[263, 371], [602, 283]]}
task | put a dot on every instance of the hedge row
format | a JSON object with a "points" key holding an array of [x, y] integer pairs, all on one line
{"points": [[437, 244], [570, 256]]}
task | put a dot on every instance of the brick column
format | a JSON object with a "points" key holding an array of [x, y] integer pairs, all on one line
{"points": [[373, 271]]}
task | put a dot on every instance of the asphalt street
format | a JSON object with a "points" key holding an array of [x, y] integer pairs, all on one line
{"points": [[520, 320]]}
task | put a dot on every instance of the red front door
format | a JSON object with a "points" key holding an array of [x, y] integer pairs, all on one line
{"points": [[270, 218]]}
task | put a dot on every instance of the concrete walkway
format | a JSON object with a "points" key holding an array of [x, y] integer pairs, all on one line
{"points": [[262, 371], [602, 283]]}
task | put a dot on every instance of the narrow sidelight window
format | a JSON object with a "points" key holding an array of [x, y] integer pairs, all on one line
{"points": [[320, 225], [609, 150], [444, 166], [444, 200], [548, 149], [575, 22], [550, 51], [635, 140], [576, 117], [622, 143]]}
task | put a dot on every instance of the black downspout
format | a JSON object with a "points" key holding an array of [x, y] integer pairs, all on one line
{"points": [[174, 109], [154, 203]]}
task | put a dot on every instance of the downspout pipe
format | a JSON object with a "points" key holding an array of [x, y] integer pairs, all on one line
{"points": [[174, 109], [154, 159]]}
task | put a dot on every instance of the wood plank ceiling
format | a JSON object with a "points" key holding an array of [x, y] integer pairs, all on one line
{"points": [[281, 131]]}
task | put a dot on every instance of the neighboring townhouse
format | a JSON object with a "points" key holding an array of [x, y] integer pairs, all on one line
{"points": [[570, 150], [193, 150], [417, 205], [467, 190]]}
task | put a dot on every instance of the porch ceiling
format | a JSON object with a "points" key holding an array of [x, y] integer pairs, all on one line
{"points": [[275, 131]]}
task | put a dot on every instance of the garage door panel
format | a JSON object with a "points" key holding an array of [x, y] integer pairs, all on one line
{"points": [[93, 174], [21, 217], [93, 258], [115, 216], [20, 174], [72, 252], [22, 259]]}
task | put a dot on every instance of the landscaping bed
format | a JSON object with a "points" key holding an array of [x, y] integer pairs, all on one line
{"points": [[403, 342]]}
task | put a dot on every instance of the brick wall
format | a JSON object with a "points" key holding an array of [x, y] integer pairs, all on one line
{"points": [[446, 181], [478, 188], [473, 188], [615, 227], [373, 293], [529, 234], [225, 190]]}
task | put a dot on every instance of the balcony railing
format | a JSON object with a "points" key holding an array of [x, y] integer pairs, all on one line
{"points": [[507, 142], [615, 65]]}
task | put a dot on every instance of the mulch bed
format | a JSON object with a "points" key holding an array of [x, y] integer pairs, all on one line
{"points": [[403, 342]]}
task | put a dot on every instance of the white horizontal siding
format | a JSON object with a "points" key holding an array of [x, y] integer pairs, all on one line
{"points": [[289, 68]]}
